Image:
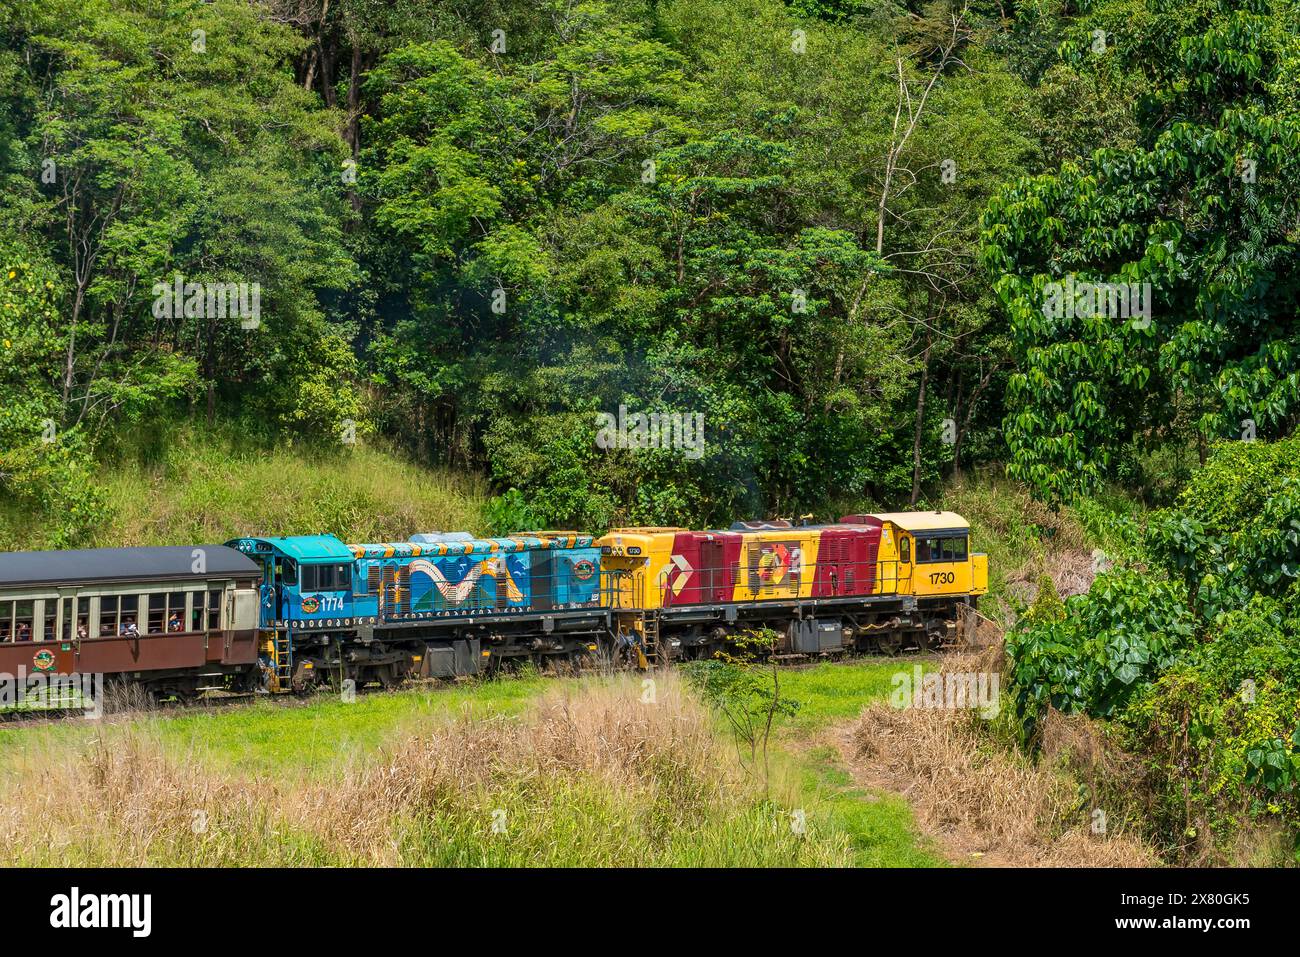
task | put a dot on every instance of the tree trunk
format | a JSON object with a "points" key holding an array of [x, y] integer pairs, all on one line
{"points": [[71, 358], [354, 119], [920, 420]]}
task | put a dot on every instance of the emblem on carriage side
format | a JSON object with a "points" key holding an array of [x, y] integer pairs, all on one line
{"points": [[43, 660]]}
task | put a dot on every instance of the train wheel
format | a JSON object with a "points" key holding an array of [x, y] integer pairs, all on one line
{"points": [[890, 643]]}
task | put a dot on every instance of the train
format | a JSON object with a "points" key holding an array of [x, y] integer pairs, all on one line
{"points": [[290, 614]]}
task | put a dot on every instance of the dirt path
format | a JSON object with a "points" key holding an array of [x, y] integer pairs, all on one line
{"points": [[979, 807]]}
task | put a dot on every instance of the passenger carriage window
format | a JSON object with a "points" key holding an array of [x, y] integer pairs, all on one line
{"points": [[214, 610], [6, 621], [129, 625], [83, 618], [68, 604], [23, 611], [196, 611], [176, 611], [156, 613], [108, 614], [51, 617]]}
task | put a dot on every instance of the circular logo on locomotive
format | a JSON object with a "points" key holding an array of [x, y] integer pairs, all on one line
{"points": [[311, 604], [773, 564], [43, 660], [583, 569]]}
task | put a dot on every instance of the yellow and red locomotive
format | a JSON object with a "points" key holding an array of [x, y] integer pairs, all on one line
{"points": [[878, 582]]}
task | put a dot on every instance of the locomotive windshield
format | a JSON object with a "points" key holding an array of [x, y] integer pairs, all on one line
{"points": [[286, 571]]}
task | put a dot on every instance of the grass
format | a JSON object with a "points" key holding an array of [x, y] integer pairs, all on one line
{"points": [[879, 827], [835, 691], [580, 770], [317, 736], [193, 485], [576, 772]]}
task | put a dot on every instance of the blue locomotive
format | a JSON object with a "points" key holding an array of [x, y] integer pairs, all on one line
{"points": [[440, 604]]}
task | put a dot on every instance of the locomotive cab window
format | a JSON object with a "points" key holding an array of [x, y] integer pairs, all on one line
{"points": [[326, 577], [941, 549]]}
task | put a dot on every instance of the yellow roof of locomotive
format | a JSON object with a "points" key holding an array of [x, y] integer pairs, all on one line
{"points": [[923, 521]]}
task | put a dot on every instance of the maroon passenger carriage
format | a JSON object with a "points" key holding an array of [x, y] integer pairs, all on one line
{"points": [[173, 619]]}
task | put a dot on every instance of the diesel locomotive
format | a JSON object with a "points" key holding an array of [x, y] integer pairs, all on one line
{"points": [[291, 613]]}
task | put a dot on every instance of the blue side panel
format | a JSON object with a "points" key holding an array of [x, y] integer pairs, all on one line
{"points": [[448, 576], [577, 577], [473, 577]]}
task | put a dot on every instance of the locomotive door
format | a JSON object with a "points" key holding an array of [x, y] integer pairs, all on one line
{"points": [[904, 583], [713, 572]]}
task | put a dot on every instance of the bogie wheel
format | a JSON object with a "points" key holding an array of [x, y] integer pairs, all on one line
{"points": [[890, 643]]}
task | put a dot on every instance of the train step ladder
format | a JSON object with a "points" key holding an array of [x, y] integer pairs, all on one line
{"points": [[283, 660], [650, 641]]}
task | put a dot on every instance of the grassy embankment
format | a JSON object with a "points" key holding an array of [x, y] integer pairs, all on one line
{"points": [[195, 486], [570, 772]]}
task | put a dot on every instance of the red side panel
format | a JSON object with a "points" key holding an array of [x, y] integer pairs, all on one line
{"points": [[701, 570], [846, 561]]}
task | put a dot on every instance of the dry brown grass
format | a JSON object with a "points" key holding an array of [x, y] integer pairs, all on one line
{"points": [[1071, 571], [588, 775], [988, 804]]}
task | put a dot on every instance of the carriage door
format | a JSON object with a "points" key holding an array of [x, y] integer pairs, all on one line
{"points": [[58, 630]]}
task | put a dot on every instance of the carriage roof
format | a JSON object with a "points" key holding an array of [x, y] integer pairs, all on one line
{"points": [[86, 565]]}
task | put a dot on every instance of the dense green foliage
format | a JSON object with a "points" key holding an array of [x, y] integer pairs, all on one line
{"points": [[833, 233], [1199, 202], [1195, 650], [473, 227]]}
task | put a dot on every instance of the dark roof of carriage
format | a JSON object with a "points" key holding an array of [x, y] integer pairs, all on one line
{"points": [[78, 566]]}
